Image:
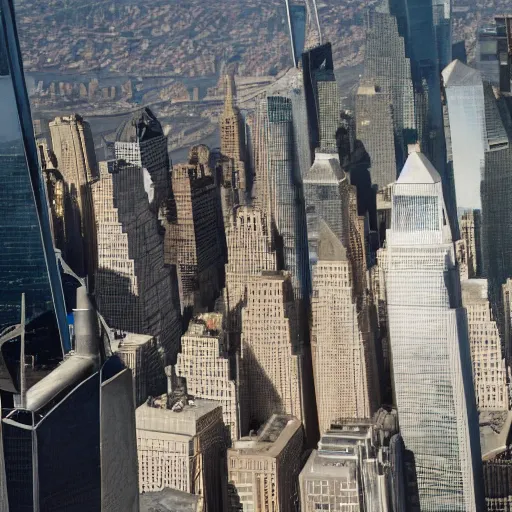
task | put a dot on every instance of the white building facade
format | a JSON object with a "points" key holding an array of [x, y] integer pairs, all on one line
{"points": [[429, 345]]}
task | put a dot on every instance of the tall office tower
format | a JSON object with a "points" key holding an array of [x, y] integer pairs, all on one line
{"points": [[182, 446], [287, 196], [357, 467], [489, 368], [330, 197], [496, 193], [386, 64], [342, 342], [249, 254], [442, 15], [271, 355], [135, 291], [470, 223], [467, 137], [297, 18], [140, 141], [139, 352], [486, 54], [504, 50], [322, 97], [28, 262], [194, 237], [264, 469], [73, 147], [374, 121], [429, 345], [92, 466], [204, 363], [232, 138]]}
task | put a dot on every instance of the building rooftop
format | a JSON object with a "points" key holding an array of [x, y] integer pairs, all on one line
{"points": [[418, 169], [319, 466], [271, 439], [169, 500], [330, 247], [474, 290], [325, 169], [457, 74], [161, 419], [142, 126]]}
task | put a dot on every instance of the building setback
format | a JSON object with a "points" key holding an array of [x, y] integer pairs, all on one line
{"points": [[135, 291], [430, 346], [204, 363]]}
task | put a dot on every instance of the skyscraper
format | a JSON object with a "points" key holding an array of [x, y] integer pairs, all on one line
{"points": [[339, 293], [467, 142], [442, 15], [28, 262], [388, 67], [429, 345], [342, 344], [205, 365], [271, 361], [140, 141], [194, 237], [73, 147], [374, 125], [232, 139], [249, 254], [135, 291], [322, 97], [92, 466], [297, 27], [287, 199]]}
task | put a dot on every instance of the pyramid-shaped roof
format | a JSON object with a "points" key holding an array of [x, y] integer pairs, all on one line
{"points": [[325, 169], [418, 169], [457, 74]]}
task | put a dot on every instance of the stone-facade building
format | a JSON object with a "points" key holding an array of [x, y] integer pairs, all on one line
{"points": [[489, 368], [271, 356], [194, 236], [342, 344], [183, 448], [73, 147], [232, 141], [249, 254], [135, 291], [263, 470], [204, 363]]}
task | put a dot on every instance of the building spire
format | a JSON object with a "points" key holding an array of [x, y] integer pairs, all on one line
{"points": [[229, 98]]}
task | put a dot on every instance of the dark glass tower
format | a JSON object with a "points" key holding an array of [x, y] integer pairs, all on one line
{"points": [[28, 263]]}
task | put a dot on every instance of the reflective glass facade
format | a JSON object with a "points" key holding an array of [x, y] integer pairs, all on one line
{"points": [[28, 264]]}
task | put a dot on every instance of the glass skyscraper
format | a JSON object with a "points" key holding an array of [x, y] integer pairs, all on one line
{"points": [[466, 143], [429, 345], [28, 264]]}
